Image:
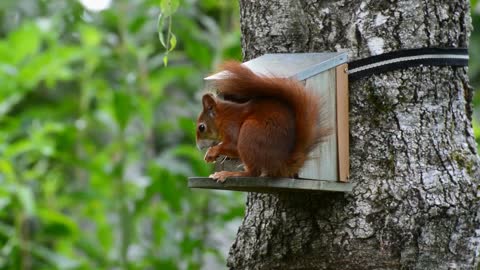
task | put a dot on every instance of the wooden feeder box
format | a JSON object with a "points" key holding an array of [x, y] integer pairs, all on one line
{"points": [[328, 166]]}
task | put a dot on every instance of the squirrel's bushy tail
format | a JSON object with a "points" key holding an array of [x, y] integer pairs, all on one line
{"points": [[242, 83]]}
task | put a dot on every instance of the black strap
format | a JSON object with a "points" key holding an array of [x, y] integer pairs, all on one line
{"points": [[457, 57]]}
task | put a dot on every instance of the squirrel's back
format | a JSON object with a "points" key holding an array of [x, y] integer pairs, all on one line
{"points": [[242, 84]]}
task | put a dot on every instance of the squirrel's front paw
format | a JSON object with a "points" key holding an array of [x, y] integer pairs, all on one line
{"points": [[219, 176], [210, 156]]}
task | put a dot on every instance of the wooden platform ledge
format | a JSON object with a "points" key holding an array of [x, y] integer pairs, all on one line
{"points": [[269, 185]]}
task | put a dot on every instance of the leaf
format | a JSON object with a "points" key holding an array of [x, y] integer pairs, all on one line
{"points": [[90, 36], [57, 224], [187, 126], [166, 184], [137, 23], [7, 170], [26, 41], [169, 7], [165, 60], [160, 29], [198, 52], [173, 42], [123, 108], [52, 65]]}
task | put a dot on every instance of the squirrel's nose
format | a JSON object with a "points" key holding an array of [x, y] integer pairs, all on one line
{"points": [[202, 144], [205, 143]]}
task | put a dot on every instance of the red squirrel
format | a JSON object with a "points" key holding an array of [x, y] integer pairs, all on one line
{"points": [[272, 131]]}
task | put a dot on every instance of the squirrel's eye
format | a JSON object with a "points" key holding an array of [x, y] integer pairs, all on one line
{"points": [[201, 127]]}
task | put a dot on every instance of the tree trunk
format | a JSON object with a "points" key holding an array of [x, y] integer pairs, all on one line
{"points": [[413, 157]]}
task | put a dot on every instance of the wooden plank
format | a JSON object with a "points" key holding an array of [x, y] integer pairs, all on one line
{"points": [[323, 159], [269, 185], [342, 124]]}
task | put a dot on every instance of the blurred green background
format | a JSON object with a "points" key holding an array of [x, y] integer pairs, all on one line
{"points": [[97, 134]]}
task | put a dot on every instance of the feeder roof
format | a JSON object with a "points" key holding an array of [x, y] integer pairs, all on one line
{"points": [[298, 66]]}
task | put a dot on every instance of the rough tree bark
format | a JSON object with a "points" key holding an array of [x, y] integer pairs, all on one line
{"points": [[413, 157]]}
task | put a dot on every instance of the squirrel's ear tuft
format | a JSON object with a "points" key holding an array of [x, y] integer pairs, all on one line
{"points": [[209, 104]]}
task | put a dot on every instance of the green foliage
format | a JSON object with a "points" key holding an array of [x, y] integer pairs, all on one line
{"points": [[97, 135], [474, 67]]}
